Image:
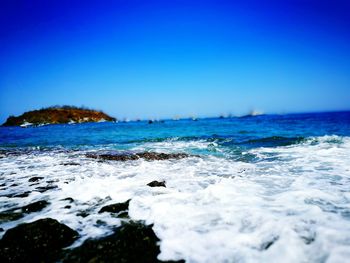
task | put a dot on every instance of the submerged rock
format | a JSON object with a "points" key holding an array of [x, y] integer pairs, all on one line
{"points": [[70, 163], [69, 199], [113, 157], [83, 214], [157, 184], [116, 208], [35, 207], [39, 241], [148, 156], [132, 242], [25, 194], [35, 178], [266, 245], [43, 189]]}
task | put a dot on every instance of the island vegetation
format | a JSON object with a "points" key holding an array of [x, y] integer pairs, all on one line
{"points": [[58, 115]]}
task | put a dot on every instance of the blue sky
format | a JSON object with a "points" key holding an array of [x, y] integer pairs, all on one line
{"points": [[155, 59]]}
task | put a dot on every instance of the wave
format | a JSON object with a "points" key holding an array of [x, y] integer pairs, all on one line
{"points": [[212, 209], [273, 141]]}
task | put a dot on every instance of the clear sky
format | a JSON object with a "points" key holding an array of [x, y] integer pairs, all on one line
{"points": [[165, 58]]}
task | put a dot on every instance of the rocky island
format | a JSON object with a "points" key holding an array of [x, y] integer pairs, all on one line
{"points": [[57, 115]]}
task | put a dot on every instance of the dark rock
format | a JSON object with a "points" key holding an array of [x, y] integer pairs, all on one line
{"points": [[83, 214], [101, 223], [116, 208], [39, 241], [69, 199], [17, 213], [1, 229], [124, 215], [132, 242], [157, 184], [43, 189], [35, 179], [151, 156], [10, 216], [35, 207], [148, 156], [25, 194], [70, 163], [150, 122], [113, 157], [67, 207], [269, 243]]}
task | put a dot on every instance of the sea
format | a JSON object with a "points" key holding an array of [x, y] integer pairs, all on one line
{"points": [[268, 188]]}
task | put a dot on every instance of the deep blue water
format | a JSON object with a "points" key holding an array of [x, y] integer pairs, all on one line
{"points": [[271, 188], [248, 132]]}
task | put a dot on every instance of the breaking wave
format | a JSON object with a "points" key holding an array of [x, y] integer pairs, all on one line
{"points": [[287, 201]]}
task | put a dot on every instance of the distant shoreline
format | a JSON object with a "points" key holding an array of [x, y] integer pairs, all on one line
{"points": [[57, 115], [86, 115]]}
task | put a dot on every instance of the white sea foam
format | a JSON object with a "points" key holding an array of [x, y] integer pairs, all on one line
{"points": [[291, 205], [176, 145]]}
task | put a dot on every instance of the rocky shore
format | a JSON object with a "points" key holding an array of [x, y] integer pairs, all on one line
{"points": [[48, 240], [148, 156]]}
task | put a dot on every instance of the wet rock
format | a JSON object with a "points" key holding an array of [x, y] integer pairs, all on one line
{"points": [[69, 199], [25, 194], [148, 156], [35, 179], [39, 241], [124, 215], [70, 163], [101, 223], [132, 242], [157, 184], [1, 229], [17, 213], [43, 189], [67, 207], [114, 157], [116, 208], [151, 156], [35, 207], [269, 243], [83, 214], [10, 216]]}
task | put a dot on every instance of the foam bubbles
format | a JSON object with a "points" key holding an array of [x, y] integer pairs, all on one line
{"points": [[292, 204]]}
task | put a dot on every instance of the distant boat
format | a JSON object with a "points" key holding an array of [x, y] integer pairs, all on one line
{"points": [[256, 113], [26, 124], [253, 113]]}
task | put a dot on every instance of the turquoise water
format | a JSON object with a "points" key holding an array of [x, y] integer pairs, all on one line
{"points": [[271, 188], [259, 131]]}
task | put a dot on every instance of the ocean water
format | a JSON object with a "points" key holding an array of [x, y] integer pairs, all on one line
{"points": [[271, 188]]}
